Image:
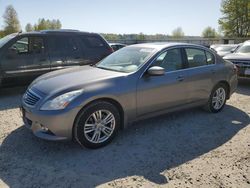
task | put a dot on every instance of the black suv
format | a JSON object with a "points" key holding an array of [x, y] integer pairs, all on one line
{"points": [[24, 56]]}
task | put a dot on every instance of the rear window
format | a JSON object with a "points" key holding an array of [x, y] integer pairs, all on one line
{"points": [[92, 41]]}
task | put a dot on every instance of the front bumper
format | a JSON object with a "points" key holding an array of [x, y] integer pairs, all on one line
{"points": [[49, 125]]}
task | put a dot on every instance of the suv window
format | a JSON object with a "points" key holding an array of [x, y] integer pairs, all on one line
{"points": [[21, 46], [63, 43], [57, 44], [28, 45], [170, 60], [197, 57], [92, 41]]}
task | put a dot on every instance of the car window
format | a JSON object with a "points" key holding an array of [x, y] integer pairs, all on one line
{"points": [[128, 59], [36, 45], [28, 45], [92, 41], [210, 58], [57, 44], [21, 46], [170, 60], [196, 57]]}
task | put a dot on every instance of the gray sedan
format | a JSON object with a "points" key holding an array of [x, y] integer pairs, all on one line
{"points": [[91, 103]]}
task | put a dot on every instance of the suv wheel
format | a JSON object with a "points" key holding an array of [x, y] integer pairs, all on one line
{"points": [[217, 98], [97, 124]]}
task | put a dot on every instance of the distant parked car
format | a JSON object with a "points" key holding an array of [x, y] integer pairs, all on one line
{"points": [[90, 104], [25, 56], [117, 46], [225, 49], [241, 58]]}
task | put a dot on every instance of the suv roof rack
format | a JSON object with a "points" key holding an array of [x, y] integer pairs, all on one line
{"points": [[59, 30]]}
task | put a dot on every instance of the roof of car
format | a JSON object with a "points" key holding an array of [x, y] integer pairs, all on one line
{"points": [[57, 31], [162, 45]]}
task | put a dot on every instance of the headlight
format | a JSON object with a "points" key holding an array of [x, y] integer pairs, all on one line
{"points": [[61, 101]]}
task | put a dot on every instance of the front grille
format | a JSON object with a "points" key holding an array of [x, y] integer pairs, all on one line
{"points": [[31, 98]]}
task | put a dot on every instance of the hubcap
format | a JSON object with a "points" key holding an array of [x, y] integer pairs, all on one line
{"points": [[219, 98], [99, 126]]}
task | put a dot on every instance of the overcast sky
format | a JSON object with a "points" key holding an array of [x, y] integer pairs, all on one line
{"points": [[121, 16]]}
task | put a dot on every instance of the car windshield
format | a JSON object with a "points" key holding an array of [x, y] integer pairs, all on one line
{"points": [[244, 49], [5, 39], [128, 59]]}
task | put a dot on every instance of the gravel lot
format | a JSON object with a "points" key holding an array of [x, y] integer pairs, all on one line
{"points": [[185, 149]]}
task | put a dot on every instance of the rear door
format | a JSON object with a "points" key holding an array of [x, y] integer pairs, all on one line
{"points": [[57, 48], [25, 59], [200, 73]]}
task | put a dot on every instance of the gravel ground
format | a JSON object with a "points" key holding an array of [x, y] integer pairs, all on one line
{"points": [[191, 148]]}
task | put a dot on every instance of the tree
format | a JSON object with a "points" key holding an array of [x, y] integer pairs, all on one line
{"points": [[209, 32], [1, 33], [47, 24], [236, 18], [11, 22], [29, 27], [178, 33]]}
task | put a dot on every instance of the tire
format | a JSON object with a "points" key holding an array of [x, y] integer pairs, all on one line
{"points": [[219, 94], [97, 124]]}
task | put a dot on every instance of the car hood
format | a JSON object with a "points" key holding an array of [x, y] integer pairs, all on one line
{"points": [[222, 54], [237, 56], [71, 78]]}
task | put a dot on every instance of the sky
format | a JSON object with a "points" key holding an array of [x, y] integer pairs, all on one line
{"points": [[121, 16]]}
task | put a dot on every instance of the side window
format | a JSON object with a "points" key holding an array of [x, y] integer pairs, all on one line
{"points": [[21, 46], [72, 45], [210, 58], [170, 60], [57, 44], [92, 41], [196, 57], [36, 45]]}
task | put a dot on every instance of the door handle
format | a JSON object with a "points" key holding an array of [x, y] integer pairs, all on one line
{"points": [[180, 78]]}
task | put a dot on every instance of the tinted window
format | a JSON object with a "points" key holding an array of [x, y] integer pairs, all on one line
{"points": [[58, 43], [170, 60], [196, 57], [92, 42], [36, 45]]}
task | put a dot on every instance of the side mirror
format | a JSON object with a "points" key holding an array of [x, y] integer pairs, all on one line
{"points": [[156, 71]]}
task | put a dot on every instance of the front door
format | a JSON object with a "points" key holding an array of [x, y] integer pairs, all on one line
{"points": [[156, 93], [24, 60]]}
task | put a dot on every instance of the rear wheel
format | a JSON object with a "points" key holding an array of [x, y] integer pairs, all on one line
{"points": [[217, 98], [97, 124]]}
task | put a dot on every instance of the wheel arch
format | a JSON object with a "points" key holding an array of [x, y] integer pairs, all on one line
{"points": [[106, 99], [225, 83]]}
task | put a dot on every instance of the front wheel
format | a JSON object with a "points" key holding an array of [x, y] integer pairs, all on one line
{"points": [[217, 99], [97, 124]]}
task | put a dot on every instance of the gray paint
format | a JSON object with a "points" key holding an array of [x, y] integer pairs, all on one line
{"points": [[139, 94]]}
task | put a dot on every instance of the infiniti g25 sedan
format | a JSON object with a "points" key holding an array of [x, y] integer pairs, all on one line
{"points": [[91, 103]]}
